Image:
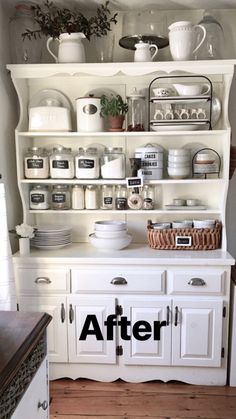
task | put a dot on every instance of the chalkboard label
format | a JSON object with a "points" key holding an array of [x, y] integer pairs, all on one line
{"points": [[35, 163], [58, 197], [37, 198], [184, 241], [132, 182], [60, 164], [86, 164]]}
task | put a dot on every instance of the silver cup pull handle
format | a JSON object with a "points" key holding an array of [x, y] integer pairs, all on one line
{"points": [[42, 280], [197, 282], [43, 405], [119, 281]]}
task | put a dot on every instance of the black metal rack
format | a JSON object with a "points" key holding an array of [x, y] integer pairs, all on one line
{"points": [[203, 122]]}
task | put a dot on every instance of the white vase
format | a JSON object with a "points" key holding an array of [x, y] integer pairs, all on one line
{"points": [[24, 246], [70, 50]]}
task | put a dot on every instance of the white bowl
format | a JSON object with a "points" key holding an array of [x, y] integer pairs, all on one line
{"points": [[182, 224], [110, 244], [110, 234], [110, 225], [192, 202], [204, 158], [179, 152], [184, 164], [178, 172], [178, 159], [191, 89], [179, 202]]}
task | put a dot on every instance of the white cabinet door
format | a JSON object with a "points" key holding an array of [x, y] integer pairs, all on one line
{"points": [[197, 333], [35, 402], [87, 333], [57, 329], [151, 351]]}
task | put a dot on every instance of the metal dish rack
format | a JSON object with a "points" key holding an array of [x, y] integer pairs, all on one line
{"points": [[201, 123]]}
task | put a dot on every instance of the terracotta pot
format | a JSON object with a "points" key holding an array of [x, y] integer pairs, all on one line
{"points": [[116, 122]]}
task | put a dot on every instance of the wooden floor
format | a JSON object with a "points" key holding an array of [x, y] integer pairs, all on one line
{"points": [[85, 399]]}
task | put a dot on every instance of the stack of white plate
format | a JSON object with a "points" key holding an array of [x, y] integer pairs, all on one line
{"points": [[179, 165], [50, 237], [110, 235]]}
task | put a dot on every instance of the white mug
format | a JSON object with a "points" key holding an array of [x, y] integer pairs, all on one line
{"points": [[182, 39]]}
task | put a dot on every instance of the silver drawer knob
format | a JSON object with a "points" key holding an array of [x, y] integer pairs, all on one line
{"points": [[119, 281], [197, 282]]}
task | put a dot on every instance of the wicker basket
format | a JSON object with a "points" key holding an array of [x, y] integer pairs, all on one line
{"points": [[201, 238]]}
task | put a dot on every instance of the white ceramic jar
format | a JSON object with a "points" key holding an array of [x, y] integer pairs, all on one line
{"points": [[91, 197], [88, 114], [77, 197], [182, 38], [151, 156]]}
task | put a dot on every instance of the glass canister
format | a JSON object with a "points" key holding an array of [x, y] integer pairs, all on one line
{"points": [[136, 112], [107, 197], [39, 197], [121, 198], [113, 163], [61, 163], [24, 51], [77, 197], [36, 165], [91, 197], [213, 46], [61, 197], [148, 197], [87, 163]]}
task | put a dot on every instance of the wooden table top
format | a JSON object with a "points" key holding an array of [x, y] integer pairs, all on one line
{"points": [[19, 333]]}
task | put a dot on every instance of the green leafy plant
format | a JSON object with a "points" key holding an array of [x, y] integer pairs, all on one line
{"points": [[113, 105], [54, 20]]}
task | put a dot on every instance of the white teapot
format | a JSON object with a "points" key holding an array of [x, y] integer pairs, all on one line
{"points": [[71, 49], [143, 51], [182, 39]]}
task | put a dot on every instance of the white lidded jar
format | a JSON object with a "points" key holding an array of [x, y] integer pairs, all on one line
{"points": [[36, 165], [151, 156], [62, 163], [77, 197], [88, 114], [39, 197], [113, 163], [91, 197], [87, 163]]}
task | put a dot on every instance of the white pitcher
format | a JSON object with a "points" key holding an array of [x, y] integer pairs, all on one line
{"points": [[71, 49], [182, 39], [143, 51]]}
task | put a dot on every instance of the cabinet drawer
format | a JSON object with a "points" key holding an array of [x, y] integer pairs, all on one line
{"points": [[115, 281], [196, 282], [41, 281]]}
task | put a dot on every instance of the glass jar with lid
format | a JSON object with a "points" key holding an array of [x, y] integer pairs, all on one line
{"points": [[107, 197], [61, 163], [87, 163], [61, 197], [36, 165], [24, 51], [39, 197], [213, 46], [148, 197], [91, 197], [113, 163], [136, 112], [77, 197], [121, 197]]}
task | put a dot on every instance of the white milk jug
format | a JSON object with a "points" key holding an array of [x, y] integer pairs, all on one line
{"points": [[143, 51], [71, 49], [182, 39]]}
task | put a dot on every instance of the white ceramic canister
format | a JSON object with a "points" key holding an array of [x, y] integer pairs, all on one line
{"points": [[88, 115], [151, 161], [77, 197]]}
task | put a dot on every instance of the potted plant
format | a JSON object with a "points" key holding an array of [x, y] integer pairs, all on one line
{"points": [[115, 109], [63, 24]]}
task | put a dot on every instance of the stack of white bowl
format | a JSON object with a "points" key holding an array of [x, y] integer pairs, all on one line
{"points": [[110, 235], [179, 163]]}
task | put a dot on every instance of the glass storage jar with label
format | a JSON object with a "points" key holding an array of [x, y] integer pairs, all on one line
{"points": [[62, 163], [91, 197], [113, 163], [61, 197], [36, 165], [148, 197], [121, 198], [87, 163], [136, 112], [39, 197], [107, 197], [77, 197]]}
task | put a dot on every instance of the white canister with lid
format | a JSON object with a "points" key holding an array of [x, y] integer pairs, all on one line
{"points": [[88, 114], [151, 156]]}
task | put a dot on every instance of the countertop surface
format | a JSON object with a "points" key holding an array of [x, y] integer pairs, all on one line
{"points": [[19, 333]]}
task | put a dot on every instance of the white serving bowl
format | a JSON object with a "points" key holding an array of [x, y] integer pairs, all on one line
{"points": [[179, 165], [110, 225], [179, 152], [110, 244], [110, 234], [204, 158], [178, 159], [204, 223], [179, 202], [178, 172], [191, 89], [192, 202]]}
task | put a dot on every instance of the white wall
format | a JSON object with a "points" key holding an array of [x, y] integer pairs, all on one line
{"points": [[8, 121]]}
